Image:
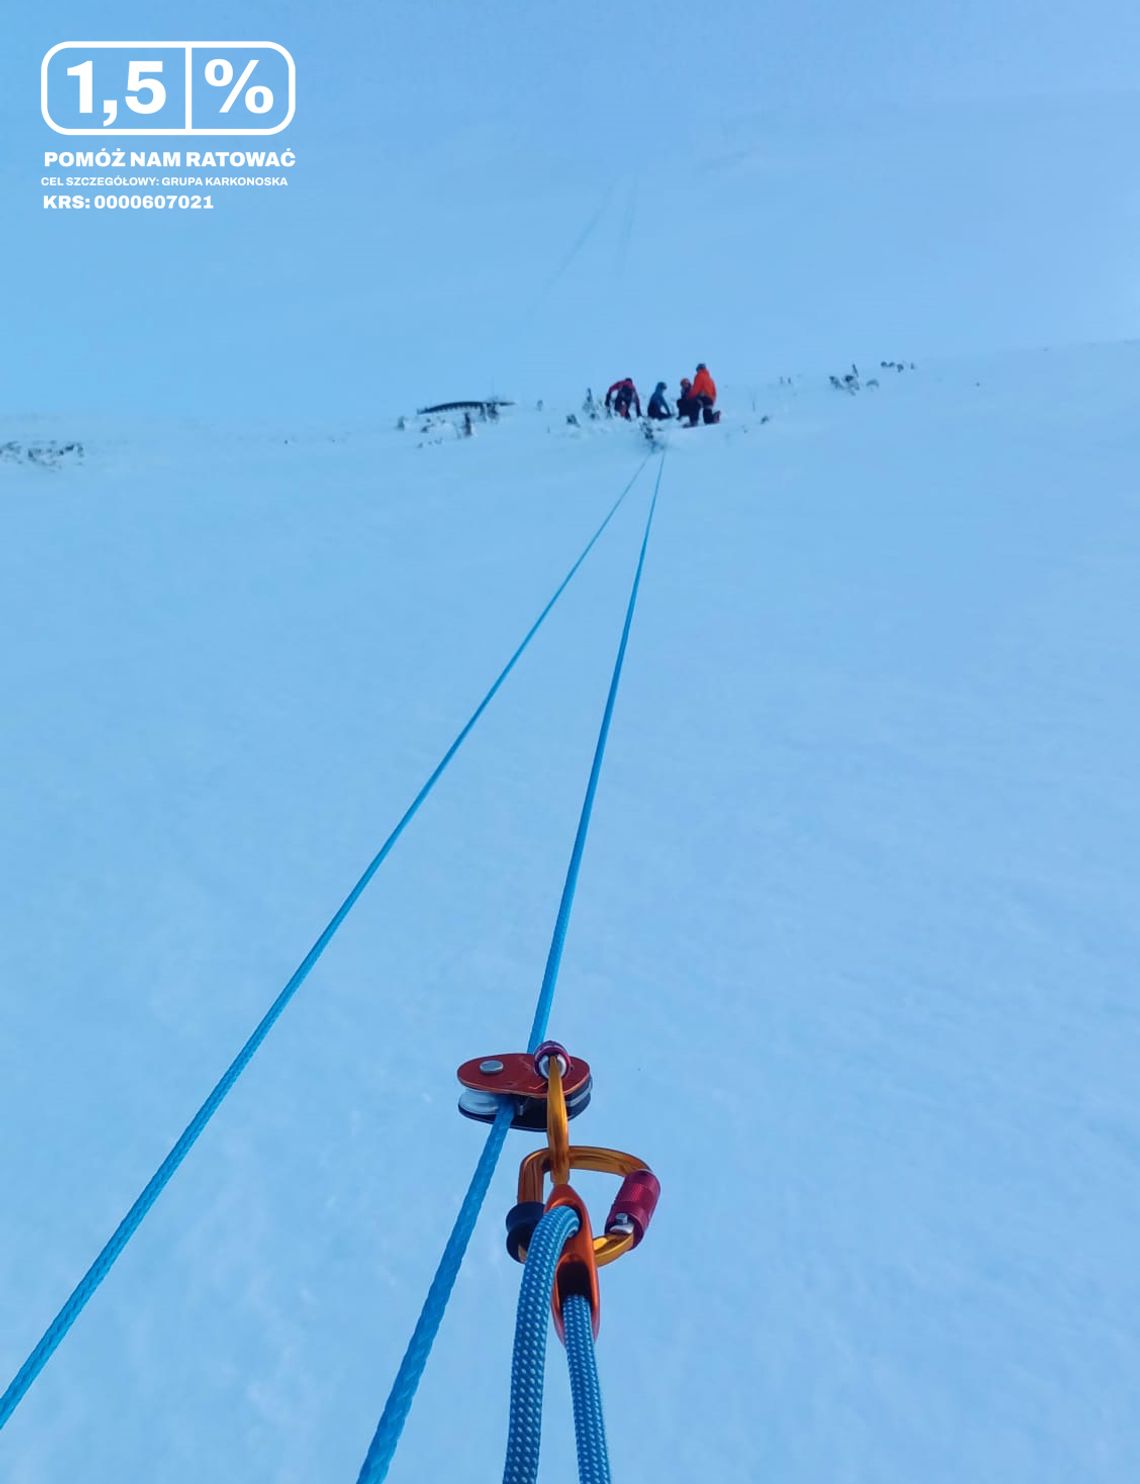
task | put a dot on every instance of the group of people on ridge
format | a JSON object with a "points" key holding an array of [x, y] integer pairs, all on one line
{"points": [[696, 401]]}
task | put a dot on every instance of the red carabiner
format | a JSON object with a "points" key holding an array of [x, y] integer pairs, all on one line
{"points": [[577, 1271]]}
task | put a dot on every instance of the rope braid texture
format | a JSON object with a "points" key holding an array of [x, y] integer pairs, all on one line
{"points": [[585, 1390], [528, 1363], [527, 1366]]}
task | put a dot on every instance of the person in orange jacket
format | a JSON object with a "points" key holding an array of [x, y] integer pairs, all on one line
{"points": [[697, 398], [704, 393]]}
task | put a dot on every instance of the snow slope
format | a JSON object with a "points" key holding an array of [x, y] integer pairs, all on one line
{"points": [[504, 194], [853, 953]]}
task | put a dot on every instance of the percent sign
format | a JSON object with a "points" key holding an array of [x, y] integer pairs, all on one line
{"points": [[220, 73]]}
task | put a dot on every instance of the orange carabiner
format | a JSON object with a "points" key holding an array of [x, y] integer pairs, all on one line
{"points": [[632, 1210], [577, 1270], [557, 1124], [620, 1236]]}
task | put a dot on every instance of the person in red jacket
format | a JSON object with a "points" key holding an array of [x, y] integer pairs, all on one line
{"points": [[704, 393], [620, 395]]}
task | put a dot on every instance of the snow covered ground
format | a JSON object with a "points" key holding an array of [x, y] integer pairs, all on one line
{"points": [[853, 955]]}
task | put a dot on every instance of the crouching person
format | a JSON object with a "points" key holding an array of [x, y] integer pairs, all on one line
{"points": [[704, 394], [688, 408], [621, 396]]}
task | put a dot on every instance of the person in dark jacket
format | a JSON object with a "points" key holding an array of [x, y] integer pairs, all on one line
{"points": [[621, 395], [659, 408], [687, 404]]}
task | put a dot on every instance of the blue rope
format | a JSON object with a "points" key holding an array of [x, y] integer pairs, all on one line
{"points": [[562, 922], [399, 1403], [133, 1219], [589, 1425], [528, 1365], [380, 1453], [529, 1362]]}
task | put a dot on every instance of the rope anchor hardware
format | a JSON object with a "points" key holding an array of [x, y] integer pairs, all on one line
{"points": [[633, 1207], [516, 1075], [628, 1218], [561, 1256]]}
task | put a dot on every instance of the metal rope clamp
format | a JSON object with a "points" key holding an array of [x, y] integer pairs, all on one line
{"points": [[552, 1087]]}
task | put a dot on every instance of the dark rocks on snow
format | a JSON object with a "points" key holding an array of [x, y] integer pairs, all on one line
{"points": [[49, 455]]}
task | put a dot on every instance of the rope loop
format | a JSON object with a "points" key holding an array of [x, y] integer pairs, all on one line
{"points": [[558, 1228]]}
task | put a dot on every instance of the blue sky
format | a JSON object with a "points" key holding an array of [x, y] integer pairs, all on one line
{"points": [[529, 199]]}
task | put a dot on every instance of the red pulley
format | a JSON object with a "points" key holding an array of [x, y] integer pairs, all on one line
{"points": [[514, 1074]]}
